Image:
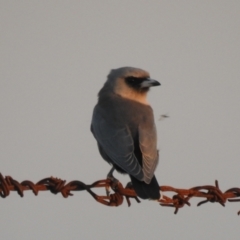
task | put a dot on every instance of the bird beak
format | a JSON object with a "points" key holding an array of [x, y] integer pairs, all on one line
{"points": [[149, 83]]}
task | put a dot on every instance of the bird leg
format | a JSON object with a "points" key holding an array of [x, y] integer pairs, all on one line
{"points": [[112, 178], [129, 185]]}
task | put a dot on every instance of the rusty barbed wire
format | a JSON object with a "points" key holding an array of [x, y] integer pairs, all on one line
{"points": [[181, 198]]}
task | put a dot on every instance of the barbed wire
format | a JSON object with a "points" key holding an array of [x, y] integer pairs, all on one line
{"points": [[181, 198]]}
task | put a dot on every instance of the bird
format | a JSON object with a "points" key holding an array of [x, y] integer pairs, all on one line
{"points": [[124, 128]]}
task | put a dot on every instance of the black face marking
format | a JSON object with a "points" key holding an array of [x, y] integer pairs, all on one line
{"points": [[134, 82]]}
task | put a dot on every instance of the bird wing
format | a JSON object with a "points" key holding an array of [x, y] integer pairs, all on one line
{"points": [[118, 145], [150, 157]]}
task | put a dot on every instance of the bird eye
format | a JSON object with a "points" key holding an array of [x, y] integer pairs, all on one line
{"points": [[131, 79]]}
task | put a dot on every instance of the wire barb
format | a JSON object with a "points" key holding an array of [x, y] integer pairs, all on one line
{"points": [[181, 198]]}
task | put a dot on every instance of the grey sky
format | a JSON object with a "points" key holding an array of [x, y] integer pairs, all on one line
{"points": [[54, 58]]}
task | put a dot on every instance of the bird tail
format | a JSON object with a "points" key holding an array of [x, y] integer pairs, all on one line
{"points": [[144, 190]]}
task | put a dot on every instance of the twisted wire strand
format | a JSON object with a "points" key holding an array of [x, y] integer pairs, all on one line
{"points": [[181, 197]]}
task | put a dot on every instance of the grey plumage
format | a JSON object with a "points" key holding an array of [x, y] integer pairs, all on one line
{"points": [[124, 128]]}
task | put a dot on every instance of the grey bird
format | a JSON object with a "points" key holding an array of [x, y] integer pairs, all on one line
{"points": [[123, 125]]}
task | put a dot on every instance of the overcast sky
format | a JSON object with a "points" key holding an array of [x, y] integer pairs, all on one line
{"points": [[55, 56]]}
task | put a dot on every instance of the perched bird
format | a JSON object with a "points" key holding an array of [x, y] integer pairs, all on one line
{"points": [[123, 125]]}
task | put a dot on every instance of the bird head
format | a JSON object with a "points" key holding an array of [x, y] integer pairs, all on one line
{"points": [[131, 83]]}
